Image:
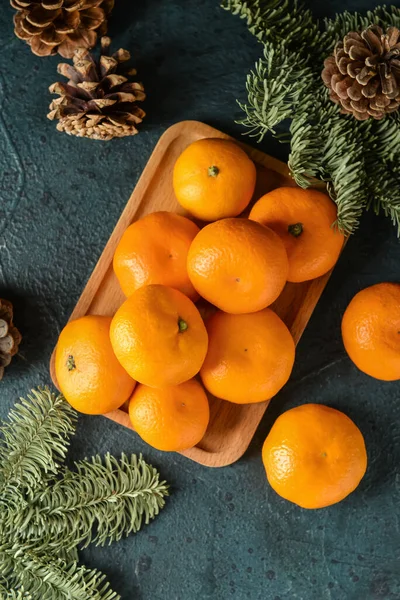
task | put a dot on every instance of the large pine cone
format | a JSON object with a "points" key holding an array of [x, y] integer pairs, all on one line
{"points": [[10, 337], [62, 26], [99, 100], [363, 74]]}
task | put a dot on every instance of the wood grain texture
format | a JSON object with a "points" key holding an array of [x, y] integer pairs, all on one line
{"points": [[231, 426]]}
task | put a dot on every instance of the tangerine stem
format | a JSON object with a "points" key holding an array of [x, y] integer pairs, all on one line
{"points": [[71, 363], [296, 229], [213, 171], [182, 325]]}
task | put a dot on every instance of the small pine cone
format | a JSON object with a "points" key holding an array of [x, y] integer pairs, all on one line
{"points": [[99, 100], [363, 74], [51, 26], [10, 337]]}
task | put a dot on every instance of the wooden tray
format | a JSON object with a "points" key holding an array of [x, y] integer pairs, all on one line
{"points": [[231, 426]]}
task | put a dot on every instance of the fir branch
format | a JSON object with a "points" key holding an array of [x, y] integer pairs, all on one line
{"points": [[386, 144], [305, 159], [278, 21], [382, 158], [274, 90], [346, 21], [68, 555], [111, 498], [14, 595], [41, 576], [384, 185], [7, 564], [388, 200], [45, 513], [389, 138], [34, 442], [344, 165], [309, 134]]}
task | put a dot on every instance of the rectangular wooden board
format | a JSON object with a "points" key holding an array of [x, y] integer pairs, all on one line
{"points": [[231, 426]]}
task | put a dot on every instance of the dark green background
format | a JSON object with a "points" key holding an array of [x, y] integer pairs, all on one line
{"points": [[224, 533]]}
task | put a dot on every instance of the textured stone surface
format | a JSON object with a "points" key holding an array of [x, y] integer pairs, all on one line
{"points": [[224, 533]]}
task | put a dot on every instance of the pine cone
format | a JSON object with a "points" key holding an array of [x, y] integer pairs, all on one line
{"points": [[363, 74], [10, 337], [62, 26], [99, 100]]}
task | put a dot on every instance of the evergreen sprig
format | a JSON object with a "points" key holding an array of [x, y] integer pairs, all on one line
{"points": [[359, 161], [274, 89], [100, 502], [35, 441], [47, 510], [277, 21], [43, 577]]}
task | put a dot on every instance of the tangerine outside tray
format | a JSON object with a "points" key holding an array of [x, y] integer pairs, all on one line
{"points": [[231, 426]]}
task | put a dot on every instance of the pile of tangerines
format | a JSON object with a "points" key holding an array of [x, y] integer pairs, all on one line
{"points": [[161, 356]]}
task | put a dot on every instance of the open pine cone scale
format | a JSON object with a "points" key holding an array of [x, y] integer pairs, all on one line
{"points": [[363, 74], [97, 101], [61, 25]]}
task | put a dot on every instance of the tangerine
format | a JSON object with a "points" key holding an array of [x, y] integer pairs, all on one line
{"points": [[159, 336], [88, 373], [173, 418], [154, 250], [250, 357], [214, 179], [314, 456], [371, 331], [304, 221], [238, 265]]}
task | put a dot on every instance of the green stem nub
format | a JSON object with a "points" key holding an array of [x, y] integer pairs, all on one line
{"points": [[71, 363], [213, 171], [182, 325], [296, 229]]}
